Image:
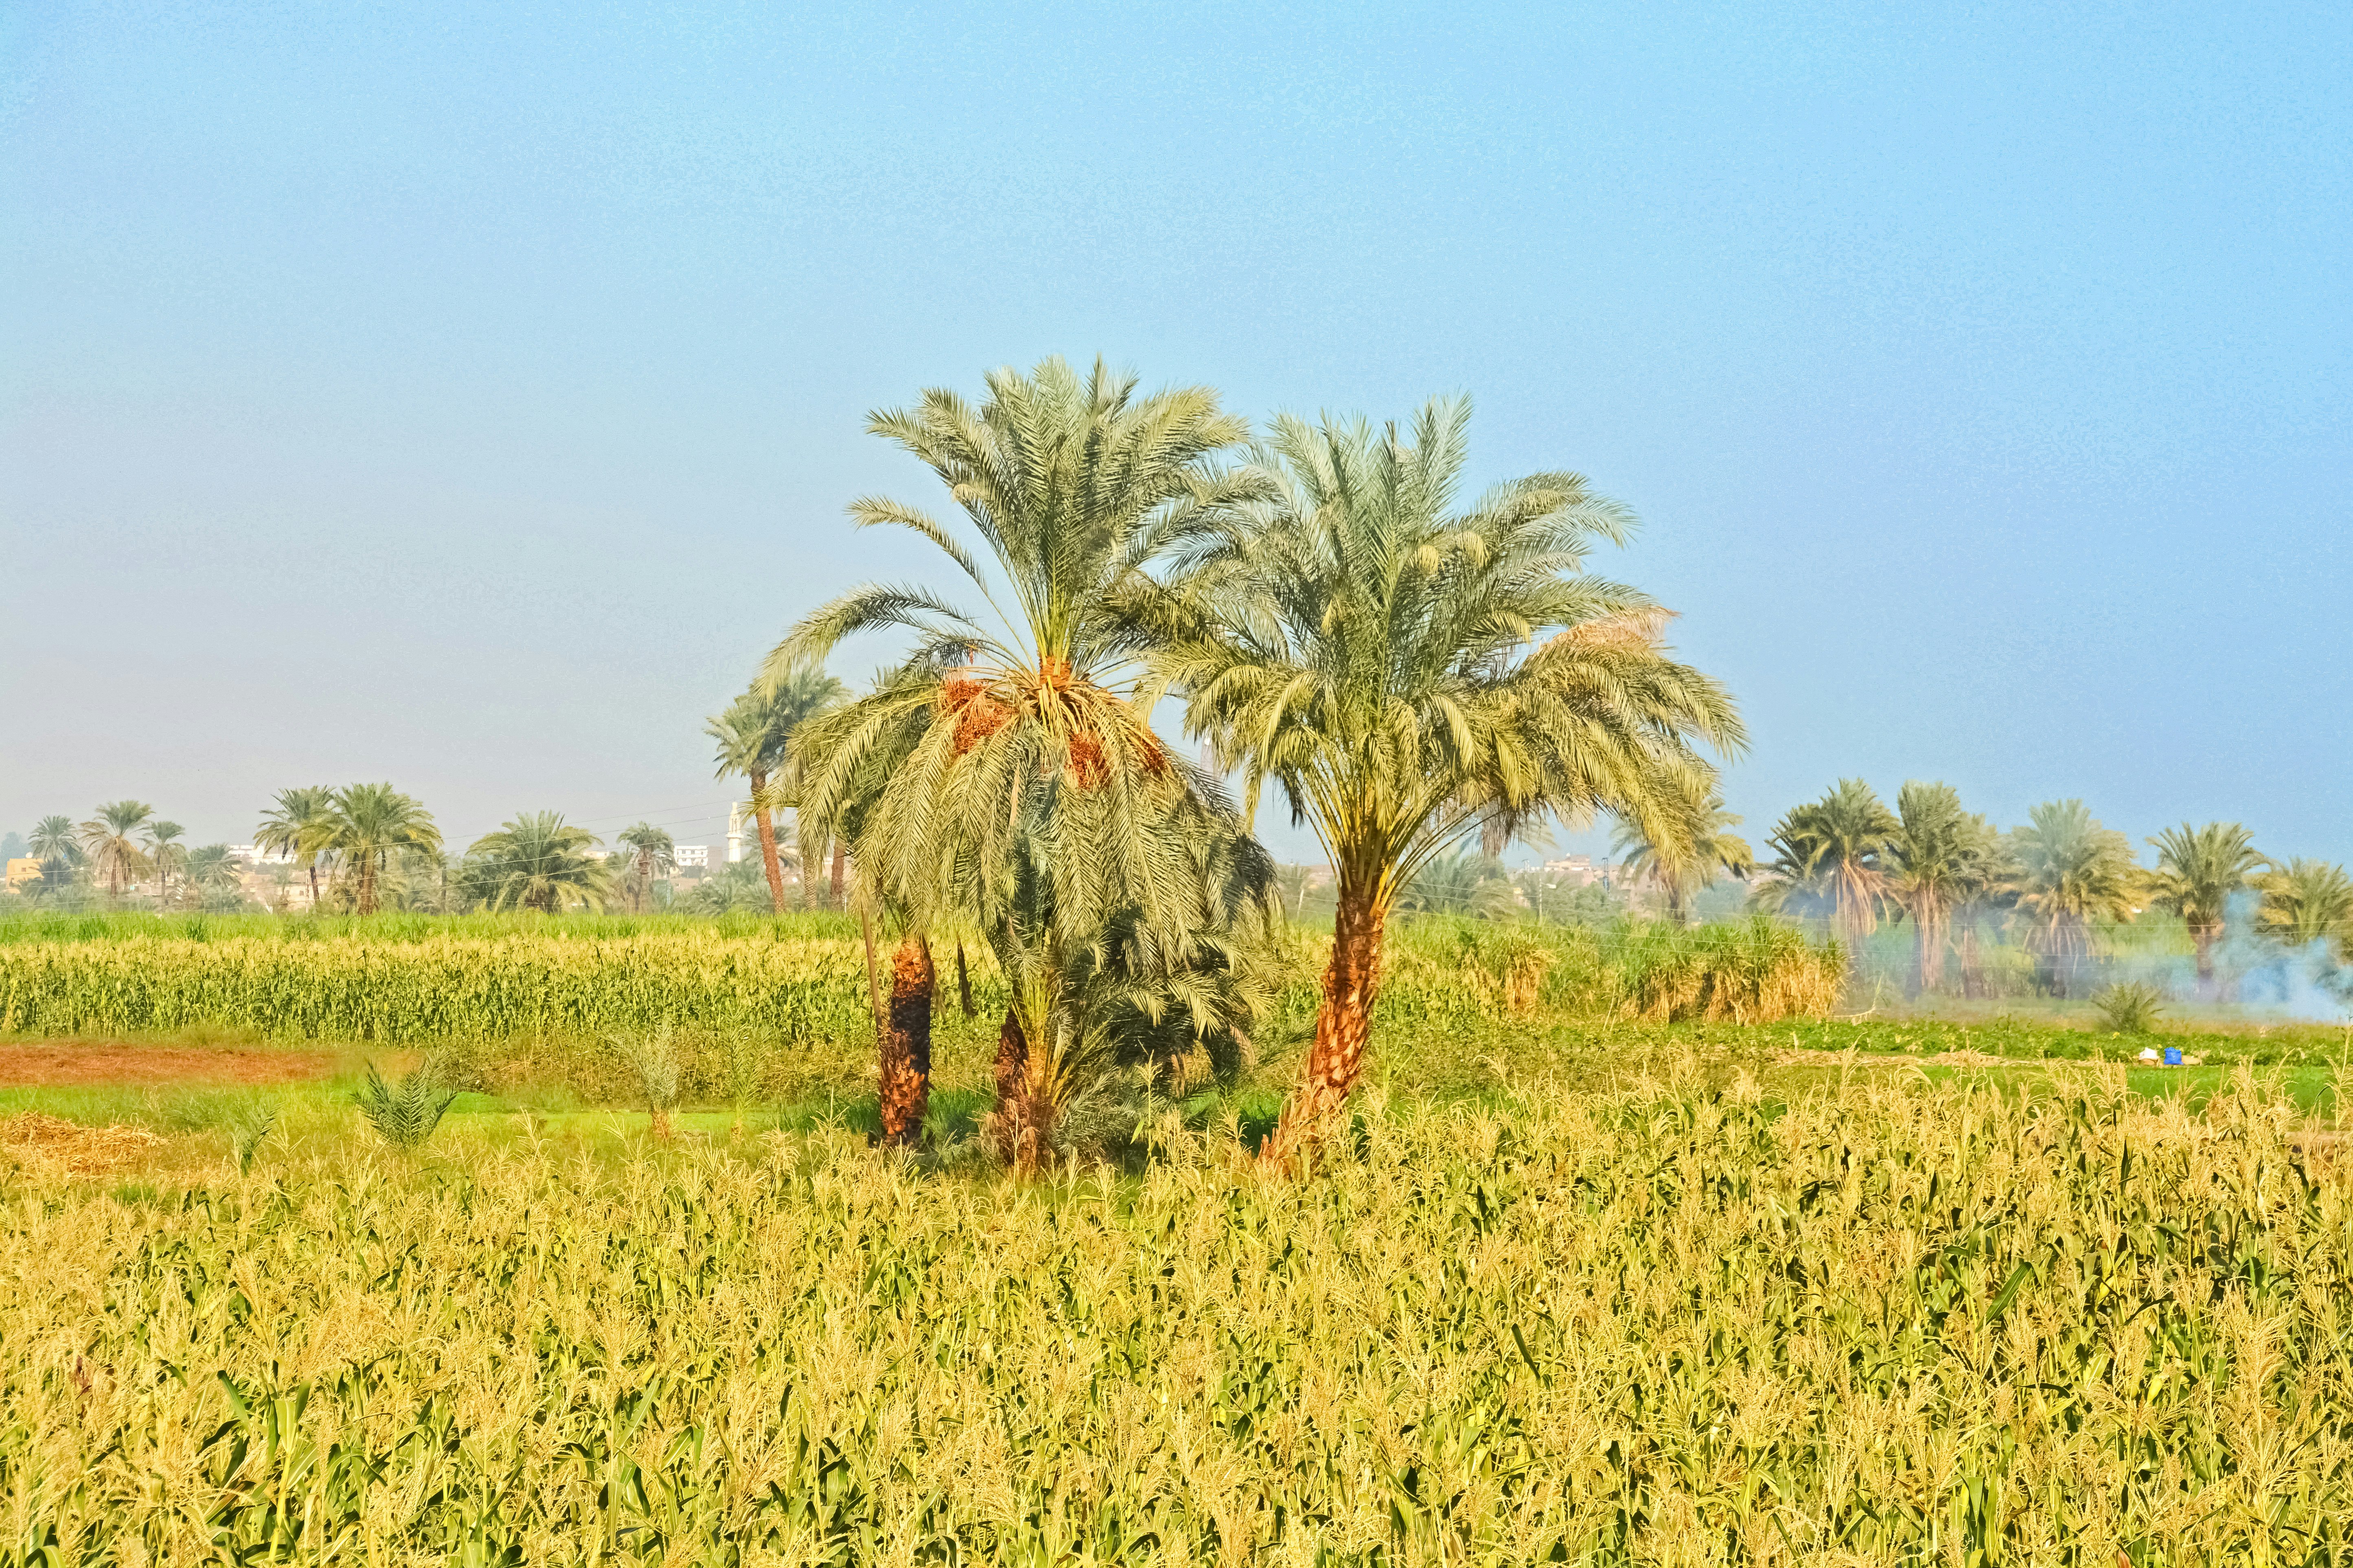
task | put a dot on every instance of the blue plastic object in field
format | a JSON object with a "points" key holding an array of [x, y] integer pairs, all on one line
{"points": [[2173, 1055]]}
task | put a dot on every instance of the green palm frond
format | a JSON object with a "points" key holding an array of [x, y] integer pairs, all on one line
{"points": [[405, 1114]]}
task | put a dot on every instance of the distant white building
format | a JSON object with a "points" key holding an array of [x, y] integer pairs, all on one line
{"points": [[249, 855], [738, 813], [1577, 870], [695, 854]]}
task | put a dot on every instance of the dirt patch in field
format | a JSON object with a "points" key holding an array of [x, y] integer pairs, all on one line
{"points": [[99, 1067], [52, 1145]]}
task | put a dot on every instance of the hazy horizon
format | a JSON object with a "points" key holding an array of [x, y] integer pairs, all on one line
{"points": [[469, 399]]}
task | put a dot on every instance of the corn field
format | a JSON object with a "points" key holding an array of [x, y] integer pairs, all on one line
{"points": [[1665, 1326], [798, 983]]}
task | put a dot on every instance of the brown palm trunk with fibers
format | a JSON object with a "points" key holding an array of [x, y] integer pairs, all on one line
{"points": [[2202, 935], [761, 820], [1343, 1024], [964, 981], [840, 869], [907, 1043], [1006, 1129]]}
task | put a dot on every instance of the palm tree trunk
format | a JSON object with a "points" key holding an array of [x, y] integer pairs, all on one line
{"points": [[840, 868], [907, 1043], [645, 882], [1005, 1129], [963, 980], [1343, 1024], [314, 887], [1928, 940], [767, 828], [2202, 935]]}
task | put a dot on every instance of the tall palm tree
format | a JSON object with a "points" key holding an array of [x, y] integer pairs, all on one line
{"points": [[2306, 901], [2198, 871], [652, 853], [166, 854], [1686, 862], [1026, 725], [115, 859], [2072, 877], [539, 861], [755, 740], [1941, 857], [1410, 671], [1833, 854], [362, 825], [294, 813]]}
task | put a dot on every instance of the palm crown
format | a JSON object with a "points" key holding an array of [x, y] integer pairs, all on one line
{"points": [[1031, 716], [1408, 674]]}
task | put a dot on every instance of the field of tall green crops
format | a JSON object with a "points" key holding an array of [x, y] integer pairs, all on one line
{"points": [[797, 987], [1669, 1325]]}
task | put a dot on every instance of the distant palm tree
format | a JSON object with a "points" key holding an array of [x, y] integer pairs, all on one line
{"points": [[115, 859], [1834, 854], [1684, 861], [1461, 883], [293, 813], [651, 854], [57, 844], [736, 888], [538, 862], [2198, 871], [2306, 901], [166, 854], [57, 838], [1410, 670], [213, 869], [2072, 877], [1941, 857], [363, 825], [755, 740]]}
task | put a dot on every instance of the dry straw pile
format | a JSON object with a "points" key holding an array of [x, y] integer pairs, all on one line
{"points": [[1891, 1325]]}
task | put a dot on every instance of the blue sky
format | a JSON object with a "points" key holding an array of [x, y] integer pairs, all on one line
{"points": [[467, 396]]}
